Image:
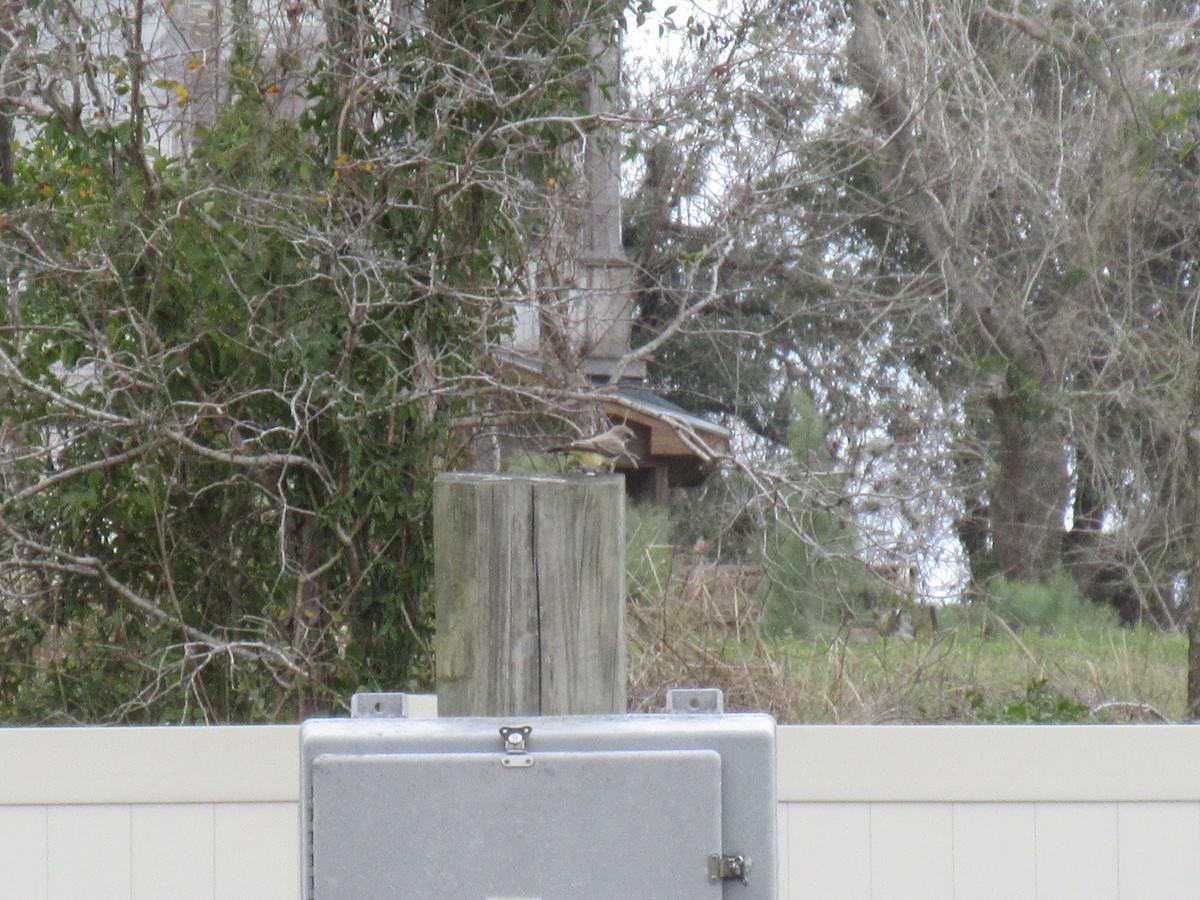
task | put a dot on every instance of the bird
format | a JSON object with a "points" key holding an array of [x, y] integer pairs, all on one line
{"points": [[599, 452]]}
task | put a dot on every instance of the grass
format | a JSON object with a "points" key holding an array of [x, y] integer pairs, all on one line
{"points": [[1028, 653], [976, 668], [1113, 675]]}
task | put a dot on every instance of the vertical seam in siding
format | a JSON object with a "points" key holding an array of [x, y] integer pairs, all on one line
{"points": [[212, 818], [129, 812], [1037, 880], [46, 854], [953, 856], [1117, 812], [871, 849]]}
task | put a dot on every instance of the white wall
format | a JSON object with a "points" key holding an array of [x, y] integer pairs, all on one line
{"points": [[922, 812], [161, 813], [1088, 812]]}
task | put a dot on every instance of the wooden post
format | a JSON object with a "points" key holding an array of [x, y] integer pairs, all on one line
{"points": [[530, 594]]}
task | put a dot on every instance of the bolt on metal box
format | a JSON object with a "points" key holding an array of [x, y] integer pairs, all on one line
{"points": [[678, 806]]}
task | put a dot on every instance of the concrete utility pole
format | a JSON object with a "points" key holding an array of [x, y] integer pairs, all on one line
{"points": [[605, 275], [530, 594]]}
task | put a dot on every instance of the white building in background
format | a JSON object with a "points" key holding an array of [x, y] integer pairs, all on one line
{"points": [[188, 49], [84, 51]]}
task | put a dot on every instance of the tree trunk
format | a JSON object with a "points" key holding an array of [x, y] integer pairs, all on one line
{"points": [[1193, 606], [11, 311], [1193, 630], [1030, 491], [1029, 496]]}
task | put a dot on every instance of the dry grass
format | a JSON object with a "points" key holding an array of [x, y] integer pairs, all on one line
{"points": [[687, 637], [698, 630]]}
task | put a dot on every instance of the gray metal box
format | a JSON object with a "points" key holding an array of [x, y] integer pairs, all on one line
{"points": [[661, 807]]}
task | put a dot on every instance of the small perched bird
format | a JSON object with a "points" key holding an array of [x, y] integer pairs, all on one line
{"points": [[599, 452]]}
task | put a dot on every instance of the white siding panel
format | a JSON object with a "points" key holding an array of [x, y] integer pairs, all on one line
{"points": [[172, 852], [186, 813], [827, 852], [1000, 763], [912, 851], [88, 852], [193, 764], [1077, 851], [23, 851], [994, 851], [781, 832], [1159, 849], [257, 851]]}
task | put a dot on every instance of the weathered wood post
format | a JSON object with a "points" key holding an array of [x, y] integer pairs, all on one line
{"points": [[530, 594]]}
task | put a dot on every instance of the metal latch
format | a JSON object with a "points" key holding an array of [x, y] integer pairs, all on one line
{"points": [[728, 867], [516, 745]]}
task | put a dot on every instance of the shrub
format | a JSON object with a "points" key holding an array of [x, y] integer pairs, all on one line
{"points": [[1055, 607]]}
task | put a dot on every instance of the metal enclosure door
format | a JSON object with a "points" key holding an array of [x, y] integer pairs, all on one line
{"points": [[614, 825]]}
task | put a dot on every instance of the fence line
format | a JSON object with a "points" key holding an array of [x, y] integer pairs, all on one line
{"points": [[928, 812], [919, 812], [989, 763]]}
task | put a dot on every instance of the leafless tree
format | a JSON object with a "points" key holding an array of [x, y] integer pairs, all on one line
{"points": [[967, 228], [1035, 155]]}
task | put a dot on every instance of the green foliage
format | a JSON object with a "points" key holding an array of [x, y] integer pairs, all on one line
{"points": [[814, 589], [816, 580], [1056, 606], [649, 552], [806, 431], [230, 375], [962, 617], [723, 516], [1040, 705], [223, 316]]}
